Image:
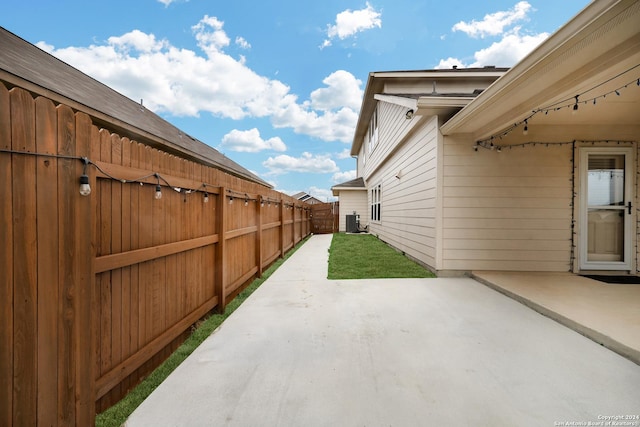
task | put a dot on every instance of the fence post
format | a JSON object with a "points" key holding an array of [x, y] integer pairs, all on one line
{"points": [[221, 228], [259, 203]]}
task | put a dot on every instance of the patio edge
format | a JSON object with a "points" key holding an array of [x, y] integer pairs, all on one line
{"points": [[598, 337]]}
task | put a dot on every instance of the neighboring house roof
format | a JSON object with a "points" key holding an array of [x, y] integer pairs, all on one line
{"points": [[354, 184], [25, 65], [595, 53], [407, 88], [305, 197]]}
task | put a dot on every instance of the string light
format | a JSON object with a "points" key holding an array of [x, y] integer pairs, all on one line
{"points": [[571, 103], [525, 130], [499, 148], [85, 188], [158, 194]]}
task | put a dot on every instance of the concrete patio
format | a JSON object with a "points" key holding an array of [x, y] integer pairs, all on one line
{"points": [[607, 313], [306, 351]]}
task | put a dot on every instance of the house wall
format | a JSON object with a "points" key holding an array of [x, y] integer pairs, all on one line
{"points": [[506, 211], [350, 201], [404, 164]]}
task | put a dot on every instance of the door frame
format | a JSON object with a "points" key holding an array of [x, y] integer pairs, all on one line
{"points": [[629, 219]]}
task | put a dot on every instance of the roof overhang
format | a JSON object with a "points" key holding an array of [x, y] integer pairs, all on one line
{"points": [[427, 105], [598, 51], [337, 189], [380, 87]]}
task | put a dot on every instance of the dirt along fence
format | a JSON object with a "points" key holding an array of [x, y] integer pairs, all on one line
{"points": [[97, 290]]}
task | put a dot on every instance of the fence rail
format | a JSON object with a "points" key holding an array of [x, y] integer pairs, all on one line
{"points": [[96, 291]]}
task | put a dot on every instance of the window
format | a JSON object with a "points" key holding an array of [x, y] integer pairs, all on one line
{"points": [[376, 196], [372, 133]]}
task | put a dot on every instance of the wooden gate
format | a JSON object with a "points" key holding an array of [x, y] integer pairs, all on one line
{"points": [[324, 218]]}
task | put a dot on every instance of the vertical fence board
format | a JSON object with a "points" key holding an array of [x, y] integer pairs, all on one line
{"points": [[94, 154], [125, 336], [67, 190], [24, 259], [117, 291], [104, 284], [221, 226], [47, 207], [135, 244], [85, 287], [156, 319], [259, 254], [6, 263]]}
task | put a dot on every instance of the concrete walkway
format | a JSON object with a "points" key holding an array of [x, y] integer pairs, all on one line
{"points": [[306, 351]]}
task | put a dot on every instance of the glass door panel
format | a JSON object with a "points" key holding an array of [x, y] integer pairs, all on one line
{"points": [[606, 209]]}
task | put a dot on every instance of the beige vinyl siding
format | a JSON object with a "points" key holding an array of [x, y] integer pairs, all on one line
{"points": [[507, 211], [392, 129], [350, 201], [408, 209]]}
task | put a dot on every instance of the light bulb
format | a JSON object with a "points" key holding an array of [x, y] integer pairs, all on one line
{"points": [[230, 200], [158, 195], [246, 202], [525, 131], [575, 109], [85, 188], [206, 197]]}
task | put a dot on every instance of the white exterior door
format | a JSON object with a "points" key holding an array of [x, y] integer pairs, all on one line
{"points": [[606, 209]]}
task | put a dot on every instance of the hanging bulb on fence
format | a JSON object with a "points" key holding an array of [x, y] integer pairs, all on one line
{"points": [[158, 194], [85, 188]]}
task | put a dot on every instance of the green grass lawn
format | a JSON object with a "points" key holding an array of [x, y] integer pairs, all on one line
{"points": [[363, 256], [117, 414]]}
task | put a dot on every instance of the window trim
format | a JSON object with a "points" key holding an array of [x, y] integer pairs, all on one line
{"points": [[376, 203]]}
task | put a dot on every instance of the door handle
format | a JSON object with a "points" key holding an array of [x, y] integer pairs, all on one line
{"points": [[629, 207]]}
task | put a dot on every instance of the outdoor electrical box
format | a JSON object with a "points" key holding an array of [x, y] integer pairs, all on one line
{"points": [[353, 223]]}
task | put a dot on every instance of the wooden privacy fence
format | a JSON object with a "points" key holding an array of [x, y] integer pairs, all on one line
{"points": [[325, 218], [96, 291]]}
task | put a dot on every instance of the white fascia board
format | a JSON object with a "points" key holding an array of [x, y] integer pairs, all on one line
{"points": [[402, 101]]}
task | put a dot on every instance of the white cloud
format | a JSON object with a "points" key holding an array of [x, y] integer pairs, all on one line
{"points": [[345, 176], [449, 63], [344, 154], [494, 24], [250, 141], [210, 35], [307, 163], [508, 51], [243, 43], [350, 22], [504, 53], [322, 194], [182, 82], [343, 90]]}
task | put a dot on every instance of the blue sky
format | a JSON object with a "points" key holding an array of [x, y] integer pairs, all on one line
{"points": [[276, 85]]}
